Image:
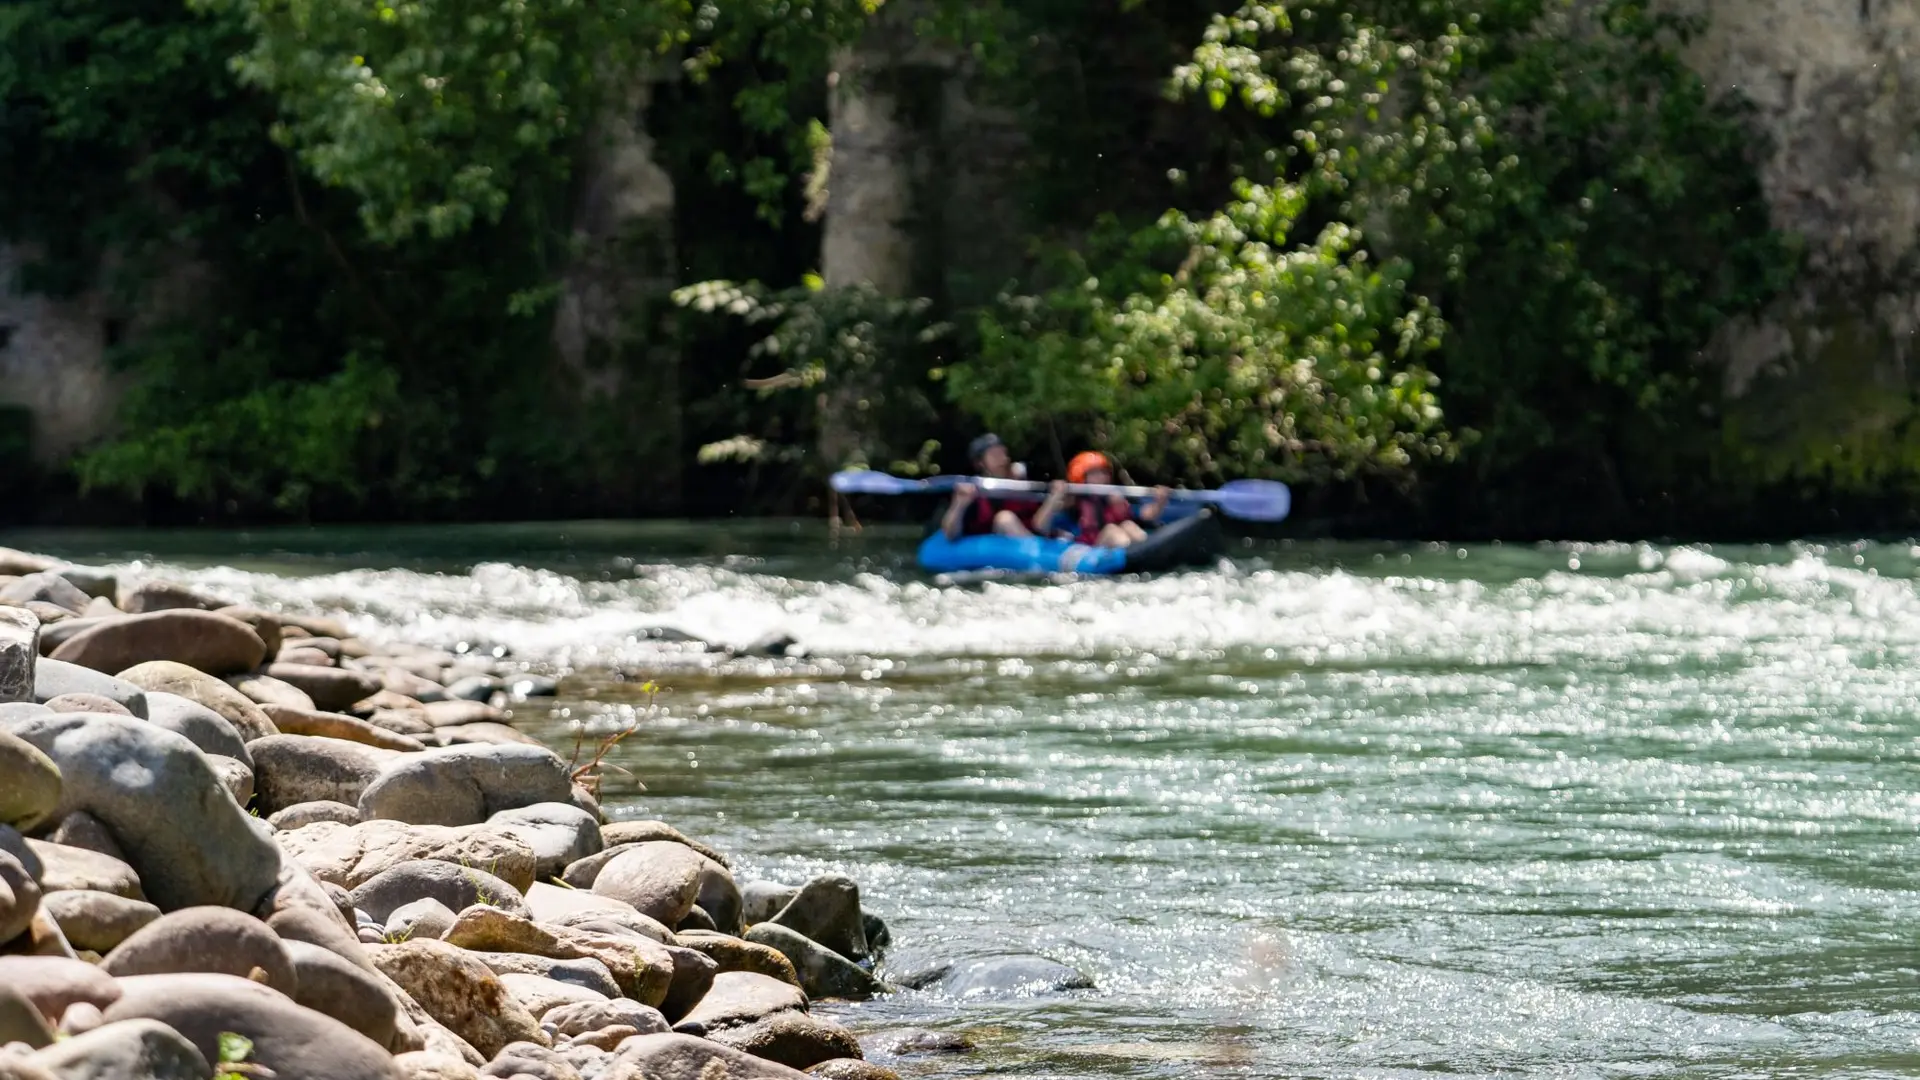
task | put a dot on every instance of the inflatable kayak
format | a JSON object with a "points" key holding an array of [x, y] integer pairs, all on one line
{"points": [[1192, 541]]}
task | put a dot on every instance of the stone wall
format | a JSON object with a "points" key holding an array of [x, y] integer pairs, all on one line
{"points": [[1836, 88]]}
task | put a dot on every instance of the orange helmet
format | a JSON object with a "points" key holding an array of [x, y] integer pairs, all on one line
{"points": [[1084, 463]]}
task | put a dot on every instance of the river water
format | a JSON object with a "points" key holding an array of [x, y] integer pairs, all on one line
{"points": [[1329, 810]]}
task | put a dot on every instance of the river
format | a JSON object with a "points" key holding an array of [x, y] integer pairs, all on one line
{"points": [[1331, 810]]}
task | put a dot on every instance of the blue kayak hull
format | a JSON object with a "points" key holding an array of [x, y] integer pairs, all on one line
{"points": [[1189, 542]]}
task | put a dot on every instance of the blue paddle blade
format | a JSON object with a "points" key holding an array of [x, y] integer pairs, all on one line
{"points": [[869, 482], [1254, 500]]}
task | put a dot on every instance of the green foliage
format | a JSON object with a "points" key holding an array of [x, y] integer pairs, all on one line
{"points": [[1256, 355], [1547, 175], [864, 358]]}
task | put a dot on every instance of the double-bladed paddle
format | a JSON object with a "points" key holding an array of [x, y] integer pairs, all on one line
{"points": [[1249, 500]]}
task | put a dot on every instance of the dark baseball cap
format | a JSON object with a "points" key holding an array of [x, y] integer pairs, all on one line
{"points": [[978, 448]]}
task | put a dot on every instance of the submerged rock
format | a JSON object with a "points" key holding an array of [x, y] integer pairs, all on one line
{"points": [[1000, 976]]}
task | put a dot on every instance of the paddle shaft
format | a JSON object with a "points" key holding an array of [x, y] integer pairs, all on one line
{"points": [[988, 483]]}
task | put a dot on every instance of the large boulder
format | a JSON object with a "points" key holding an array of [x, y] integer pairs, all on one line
{"points": [[19, 648], [210, 939], [328, 725], [664, 880], [46, 587], [205, 728], [460, 992], [128, 1050], [202, 640], [57, 678], [97, 921], [196, 685], [295, 1043], [178, 826], [332, 689], [683, 1057], [458, 887], [823, 972], [791, 1038], [349, 855], [464, 785], [29, 784], [330, 984], [559, 833], [826, 910], [290, 769]]}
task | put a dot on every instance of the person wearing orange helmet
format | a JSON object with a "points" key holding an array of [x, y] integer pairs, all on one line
{"points": [[1089, 519]]}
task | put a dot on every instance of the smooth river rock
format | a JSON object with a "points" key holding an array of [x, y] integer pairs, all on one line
{"points": [[684, 1057], [823, 972], [210, 939], [330, 984], [328, 725], [66, 867], [196, 685], [128, 1050], [264, 690], [47, 587], [458, 887], [97, 921], [151, 596], [294, 1042], [301, 815], [19, 898], [741, 997], [55, 983], [794, 1039], [201, 849], [664, 880], [201, 640], [465, 785], [827, 910], [330, 689], [559, 834], [199, 725], [349, 855], [640, 832], [57, 678], [291, 769], [29, 784]]}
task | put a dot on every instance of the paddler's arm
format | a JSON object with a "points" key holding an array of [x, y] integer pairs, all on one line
{"points": [[1152, 511], [1051, 506], [963, 496]]}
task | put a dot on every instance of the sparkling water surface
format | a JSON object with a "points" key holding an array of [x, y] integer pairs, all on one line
{"points": [[1327, 810]]}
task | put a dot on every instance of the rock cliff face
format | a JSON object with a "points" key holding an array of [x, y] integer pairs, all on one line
{"points": [[1824, 379], [52, 366]]}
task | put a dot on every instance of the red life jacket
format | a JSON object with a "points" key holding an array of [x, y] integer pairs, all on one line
{"points": [[1091, 515], [979, 518]]}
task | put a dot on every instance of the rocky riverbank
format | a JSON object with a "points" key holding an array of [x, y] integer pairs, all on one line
{"points": [[245, 843]]}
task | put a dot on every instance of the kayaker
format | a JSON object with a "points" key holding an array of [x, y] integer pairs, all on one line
{"points": [[1089, 519], [971, 514]]}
